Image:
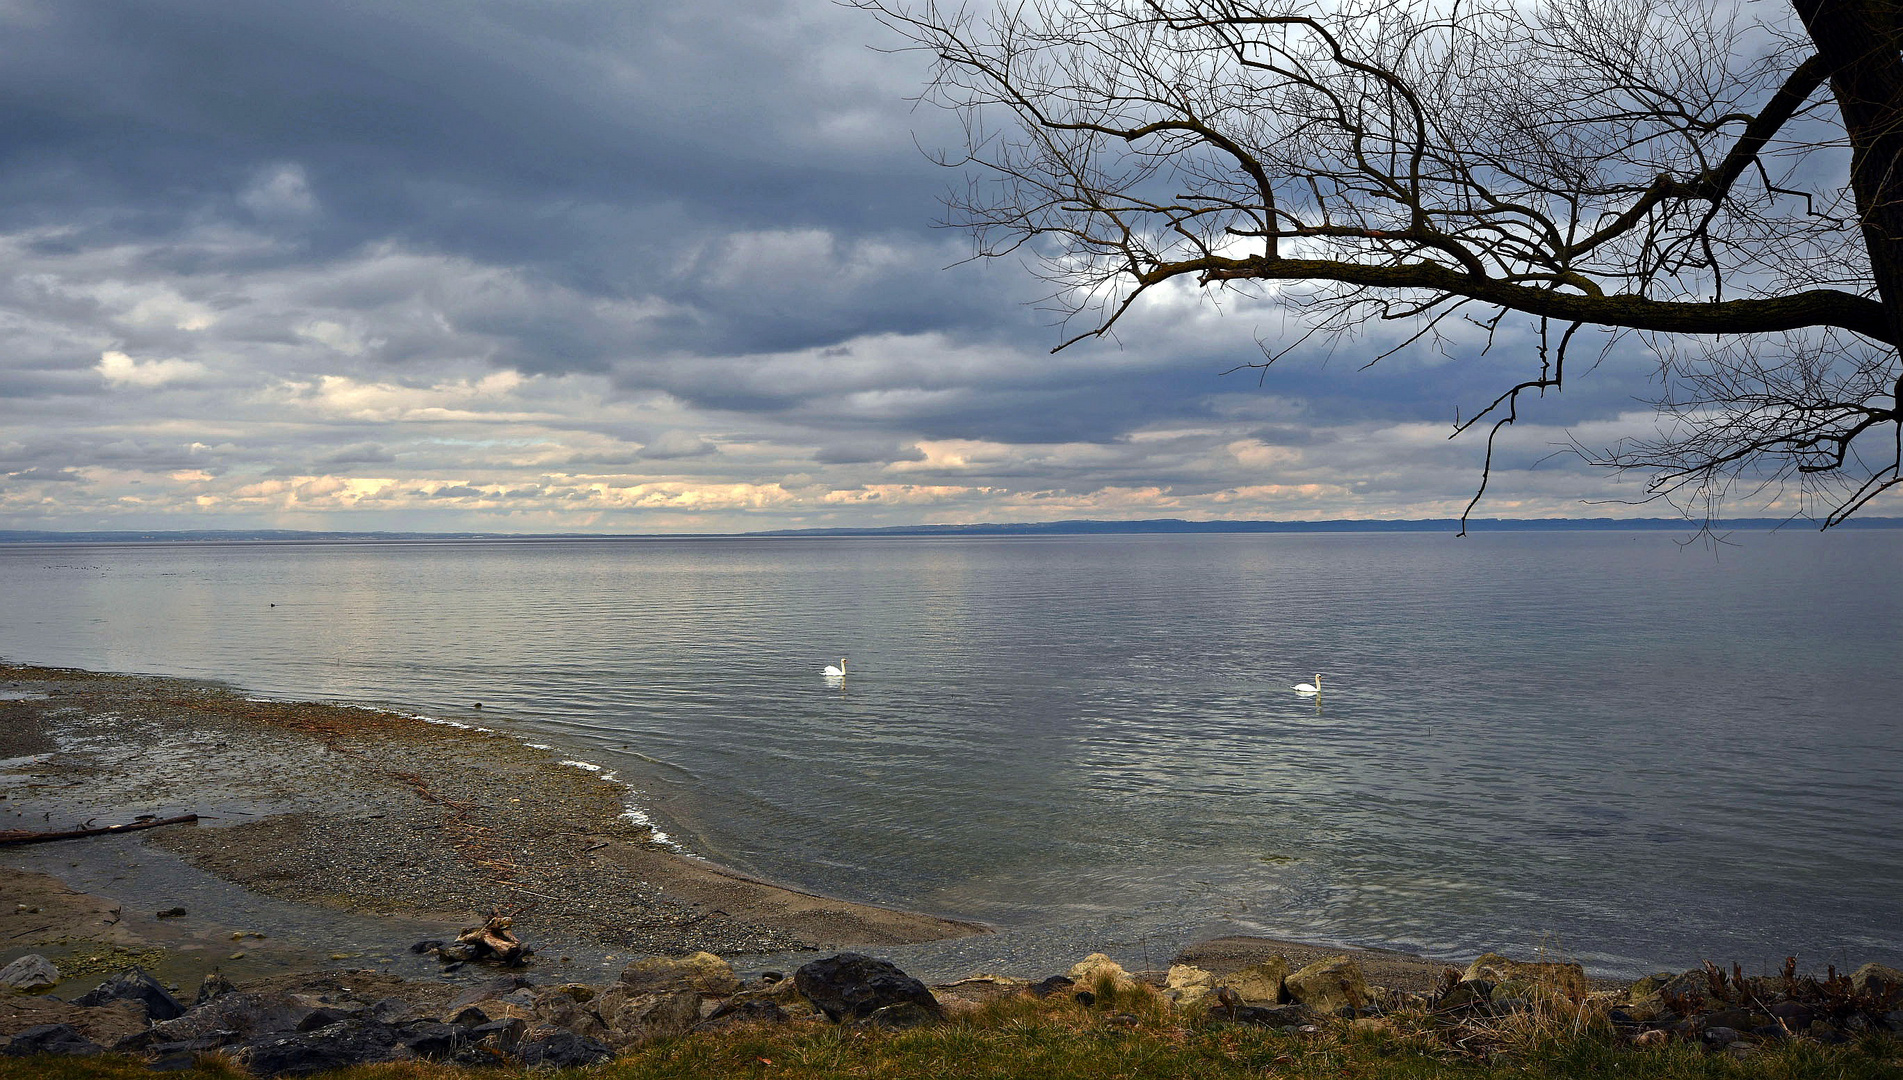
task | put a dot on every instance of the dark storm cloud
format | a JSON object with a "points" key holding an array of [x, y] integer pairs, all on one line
{"points": [[312, 257]]}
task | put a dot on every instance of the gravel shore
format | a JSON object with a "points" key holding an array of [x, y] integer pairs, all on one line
{"points": [[386, 816]]}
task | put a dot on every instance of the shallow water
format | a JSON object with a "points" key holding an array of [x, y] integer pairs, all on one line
{"points": [[1638, 754]]}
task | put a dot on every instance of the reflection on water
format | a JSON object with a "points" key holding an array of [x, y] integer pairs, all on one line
{"points": [[1646, 754]]}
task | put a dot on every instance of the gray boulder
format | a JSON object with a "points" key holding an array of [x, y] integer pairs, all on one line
{"points": [[31, 973]]}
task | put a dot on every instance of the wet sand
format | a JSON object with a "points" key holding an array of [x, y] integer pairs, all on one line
{"points": [[385, 820]]}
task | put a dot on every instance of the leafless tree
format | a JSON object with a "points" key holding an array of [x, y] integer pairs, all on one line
{"points": [[1719, 178]]}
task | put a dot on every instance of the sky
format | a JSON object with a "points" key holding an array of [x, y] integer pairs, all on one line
{"points": [[618, 266]]}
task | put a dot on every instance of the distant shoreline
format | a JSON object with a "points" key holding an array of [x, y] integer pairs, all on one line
{"points": [[1082, 527]]}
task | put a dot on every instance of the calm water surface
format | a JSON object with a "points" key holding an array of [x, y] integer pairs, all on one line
{"points": [[1641, 754]]}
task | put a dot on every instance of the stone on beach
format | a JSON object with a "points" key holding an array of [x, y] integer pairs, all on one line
{"points": [[1098, 973], [1539, 978], [851, 986], [31, 973], [1328, 986], [701, 972]]}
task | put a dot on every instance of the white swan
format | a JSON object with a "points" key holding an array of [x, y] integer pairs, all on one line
{"points": [[836, 672], [1310, 688]]}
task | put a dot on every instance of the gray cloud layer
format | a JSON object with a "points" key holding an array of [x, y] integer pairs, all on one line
{"points": [[601, 265]]}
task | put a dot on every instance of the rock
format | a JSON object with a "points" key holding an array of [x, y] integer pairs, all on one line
{"points": [[434, 1039], [1260, 983], [1566, 980], [1188, 987], [1739, 1019], [1689, 990], [212, 987], [468, 1016], [755, 1011], [905, 1014], [1327, 986], [136, 986], [559, 1049], [239, 1016], [500, 1035], [488, 991], [1469, 996], [1652, 1038], [628, 1016], [853, 986], [1717, 1038], [1101, 974], [336, 1046], [170, 913], [31, 973], [1281, 1016], [702, 972], [1056, 984], [61, 1039], [1794, 1015], [1870, 980]]}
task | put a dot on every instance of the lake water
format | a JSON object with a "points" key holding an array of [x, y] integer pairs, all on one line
{"points": [[1638, 754]]}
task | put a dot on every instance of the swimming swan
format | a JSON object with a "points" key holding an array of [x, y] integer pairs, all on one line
{"points": [[1302, 688], [836, 672]]}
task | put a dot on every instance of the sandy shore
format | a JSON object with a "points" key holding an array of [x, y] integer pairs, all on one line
{"points": [[387, 819]]}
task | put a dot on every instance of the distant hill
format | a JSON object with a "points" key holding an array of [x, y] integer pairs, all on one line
{"points": [[1034, 528]]}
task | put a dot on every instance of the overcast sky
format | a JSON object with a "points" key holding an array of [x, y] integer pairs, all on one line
{"points": [[619, 266]]}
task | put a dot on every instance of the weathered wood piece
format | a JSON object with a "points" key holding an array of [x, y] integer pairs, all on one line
{"points": [[29, 836]]}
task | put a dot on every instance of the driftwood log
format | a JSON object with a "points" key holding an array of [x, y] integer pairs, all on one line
{"points": [[29, 836], [493, 942]]}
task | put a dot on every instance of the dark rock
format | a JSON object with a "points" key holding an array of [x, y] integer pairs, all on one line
{"points": [[1085, 998], [503, 1035], [1266, 1016], [350, 1042], [1740, 1019], [469, 1016], [390, 1010], [562, 1050], [178, 1056], [433, 1039], [757, 1010], [170, 913], [325, 1017], [1894, 1020], [488, 991], [1794, 1014], [1719, 1037], [853, 986], [1056, 984], [422, 947], [61, 1039], [237, 1016], [136, 986]]}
